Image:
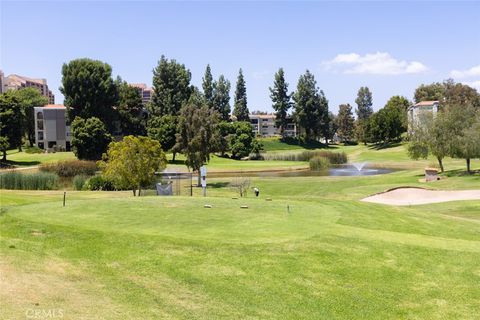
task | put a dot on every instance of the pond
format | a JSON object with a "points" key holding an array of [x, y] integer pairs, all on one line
{"points": [[341, 170]]}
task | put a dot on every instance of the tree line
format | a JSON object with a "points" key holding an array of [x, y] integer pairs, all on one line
{"points": [[197, 122]]}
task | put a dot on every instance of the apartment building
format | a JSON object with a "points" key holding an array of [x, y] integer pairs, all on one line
{"points": [[15, 82], [264, 125], [416, 111], [145, 92], [52, 132]]}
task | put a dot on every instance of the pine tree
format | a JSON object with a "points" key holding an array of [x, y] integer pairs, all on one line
{"points": [[364, 111], [281, 100], [364, 103], [207, 86], [221, 99], [240, 108], [345, 122], [311, 108], [171, 87]]}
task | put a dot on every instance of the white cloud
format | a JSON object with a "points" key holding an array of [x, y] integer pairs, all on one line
{"points": [[472, 72], [373, 63], [473, 84]]}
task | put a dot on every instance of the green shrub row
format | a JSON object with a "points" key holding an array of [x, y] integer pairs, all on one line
{"points": [[98, 183], [333, 157], [70, 168], [31, 181], [319, 163]]}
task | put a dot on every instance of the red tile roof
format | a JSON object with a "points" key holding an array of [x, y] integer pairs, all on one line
{"points": [[426, 103]]}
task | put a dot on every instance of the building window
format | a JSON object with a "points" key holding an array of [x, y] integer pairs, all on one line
{"points": [[40, 135], [39, 115], [40, 124], [41, 145]]}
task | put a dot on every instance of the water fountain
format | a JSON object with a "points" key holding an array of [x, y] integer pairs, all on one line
{"points": [[359, 165]]}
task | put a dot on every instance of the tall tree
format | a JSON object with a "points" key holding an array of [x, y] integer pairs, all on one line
{"points": [[345, 123], [89, 90], [11, 120], [448, 93], [364, 111], [463, 129], [400, 104], [364, 103], [281, 100], [240, 108], [163, 129], [90, 138], [130, 109], [171, 87], [241, 139], [195, 137], [30, 98], [221, 99], [430, 92], [431, 135], [208, 86], [132, 162], [311, 107]]}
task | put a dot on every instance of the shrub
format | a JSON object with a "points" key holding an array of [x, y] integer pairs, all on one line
{"points": [[32, 181], [319, 163], [79, 181], [333, 157], [33, 149], [99, 183], [70, 168]]}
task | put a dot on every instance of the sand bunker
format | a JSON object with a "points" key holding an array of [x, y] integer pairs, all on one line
{"points": [[413, 196]]}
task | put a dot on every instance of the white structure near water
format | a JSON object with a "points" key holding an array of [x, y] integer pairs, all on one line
{"points": [[51, 130]]}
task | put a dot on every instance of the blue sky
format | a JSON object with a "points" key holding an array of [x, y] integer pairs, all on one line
{"points": [[391, 47]]}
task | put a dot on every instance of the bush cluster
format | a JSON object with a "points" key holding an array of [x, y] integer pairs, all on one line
{"points": [[98, 183], [32, 181], [79, 181], [333, 157], [319, 163], [70, 168]]}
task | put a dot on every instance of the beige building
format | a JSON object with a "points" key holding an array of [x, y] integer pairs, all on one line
{"points": [[416, 111], [264, 125], [15, 82], [52, 132], [145, 92]]}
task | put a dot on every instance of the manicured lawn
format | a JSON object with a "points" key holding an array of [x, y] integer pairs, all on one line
{"points": [[330, 256], [32, 159]]}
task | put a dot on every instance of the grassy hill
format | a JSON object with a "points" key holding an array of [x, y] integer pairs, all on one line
{"points": [[330, 256]]}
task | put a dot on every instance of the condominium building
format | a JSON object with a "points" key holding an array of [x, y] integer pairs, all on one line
{"points": [[264, 125], [417, 111], [145, 92], [52, 132], [15, 82]]}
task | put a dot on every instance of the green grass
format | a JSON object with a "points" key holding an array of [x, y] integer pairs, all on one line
{"points": [[107, 255], [32, 159]]}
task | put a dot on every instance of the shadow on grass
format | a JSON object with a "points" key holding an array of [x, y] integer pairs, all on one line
{"points": [[176, 161], [461, 173], [218, 185], [13, 164], [381, 146]]}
